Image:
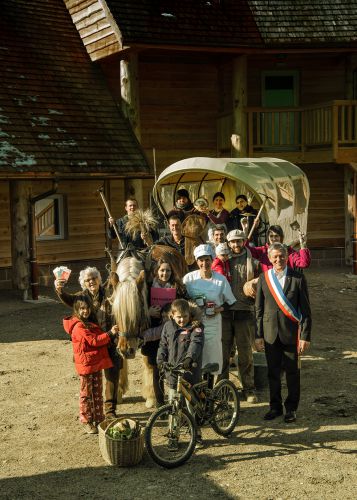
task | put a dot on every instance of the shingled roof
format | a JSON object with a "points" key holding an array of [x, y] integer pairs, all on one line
{"points": [[236, 23], [186, 22], [301, 22], [56, 112]]}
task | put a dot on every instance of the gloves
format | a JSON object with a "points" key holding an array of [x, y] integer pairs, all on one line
{"points": [[187, 363]]}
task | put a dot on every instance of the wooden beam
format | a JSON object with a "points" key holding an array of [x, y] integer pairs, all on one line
{"points": [[349, 212], [239, 93], [130, 92], [20, 203]]}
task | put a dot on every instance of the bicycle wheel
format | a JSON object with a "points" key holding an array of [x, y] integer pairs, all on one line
{"points": [[170, 436], [226, 407]]}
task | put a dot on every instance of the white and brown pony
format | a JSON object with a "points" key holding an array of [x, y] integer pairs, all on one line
{"points": [[130, 307]]}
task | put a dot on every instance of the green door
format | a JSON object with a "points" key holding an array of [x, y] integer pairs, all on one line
{"points": [[280, 129]]}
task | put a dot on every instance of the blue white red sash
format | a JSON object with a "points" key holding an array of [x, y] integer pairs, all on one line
{"points": [[280, 298]]}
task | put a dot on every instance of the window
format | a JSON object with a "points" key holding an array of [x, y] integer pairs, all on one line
{"points": [[51, 218]]}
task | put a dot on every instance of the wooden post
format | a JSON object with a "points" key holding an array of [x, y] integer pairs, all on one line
{"points": [[334, 132], [20, 206], [349, 212], [130, 92], [239, 92], [354, 236]]}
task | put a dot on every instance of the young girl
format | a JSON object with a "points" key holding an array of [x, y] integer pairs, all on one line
{"points": [[182, 342], [221, 263], [90, 358], [163, 278]]}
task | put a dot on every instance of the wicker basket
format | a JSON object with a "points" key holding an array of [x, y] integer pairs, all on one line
{"points": [[122, 453]]}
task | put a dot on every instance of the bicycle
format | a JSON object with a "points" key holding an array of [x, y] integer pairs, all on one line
{"points": [[171, 431]]}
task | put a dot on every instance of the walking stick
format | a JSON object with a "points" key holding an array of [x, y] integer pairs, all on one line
{"points": [[258, 214], [100, 191]]}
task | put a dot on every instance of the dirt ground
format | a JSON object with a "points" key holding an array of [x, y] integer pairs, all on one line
{"points": [[45, 454]]}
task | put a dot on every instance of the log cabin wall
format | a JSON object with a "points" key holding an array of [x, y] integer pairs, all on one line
{"points": [[321, 76], [85, 223], [85, 239], [178, 107], [326, 222], [5, 234]]}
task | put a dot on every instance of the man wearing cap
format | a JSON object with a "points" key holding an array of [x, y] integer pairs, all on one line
{"points": [[183, 205], [238, 322]]}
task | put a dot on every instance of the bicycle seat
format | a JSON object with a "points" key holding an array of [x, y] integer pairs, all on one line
{"points": [[210, 368]]}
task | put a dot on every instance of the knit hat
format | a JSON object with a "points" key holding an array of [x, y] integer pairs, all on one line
{"points": [[182, 192], [203, 250], [222, 249], [236, 234]]}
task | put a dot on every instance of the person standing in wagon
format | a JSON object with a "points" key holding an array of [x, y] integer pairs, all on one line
{"points": [[210, 290]]}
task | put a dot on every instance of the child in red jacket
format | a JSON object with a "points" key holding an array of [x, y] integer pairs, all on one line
{"points": [[221, 263], [90, 358]]}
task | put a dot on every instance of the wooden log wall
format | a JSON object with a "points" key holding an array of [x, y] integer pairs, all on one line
{"points": [[322, 76], [5, 227], [86, 235], [326, 222], [178, 107]]}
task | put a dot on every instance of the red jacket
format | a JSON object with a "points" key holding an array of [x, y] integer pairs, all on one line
{"points": [[222, 268], [302, 258], [89, 346]]}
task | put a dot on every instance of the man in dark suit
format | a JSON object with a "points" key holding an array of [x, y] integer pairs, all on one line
{"points": [[283, 329]]}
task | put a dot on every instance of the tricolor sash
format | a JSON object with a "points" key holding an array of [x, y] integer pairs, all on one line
{"points": [[280, 298]]}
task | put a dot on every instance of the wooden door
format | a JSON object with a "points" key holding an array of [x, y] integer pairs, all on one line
{"points": [[280, 128]]}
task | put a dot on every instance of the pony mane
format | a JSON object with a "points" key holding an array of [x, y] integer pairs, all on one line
{"points": [[129, 269], [129, 299]]}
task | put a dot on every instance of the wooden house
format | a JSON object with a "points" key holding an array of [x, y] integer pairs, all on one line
{"points": [[62, 137], [243, 78]]}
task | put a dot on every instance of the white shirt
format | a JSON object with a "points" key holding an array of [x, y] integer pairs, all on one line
{"points": [[281, 276]]}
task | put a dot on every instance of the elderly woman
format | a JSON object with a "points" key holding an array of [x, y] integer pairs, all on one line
{"points": [[209, 290], [91, 284]]}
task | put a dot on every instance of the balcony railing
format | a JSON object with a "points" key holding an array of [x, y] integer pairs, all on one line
{"points": [[331, 125]]}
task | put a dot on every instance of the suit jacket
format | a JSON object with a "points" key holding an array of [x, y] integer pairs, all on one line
{"points": [[272, 322]]}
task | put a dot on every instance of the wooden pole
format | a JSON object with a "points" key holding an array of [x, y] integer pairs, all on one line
{"points": [[19, 203], [354, 238], [100, 191]]}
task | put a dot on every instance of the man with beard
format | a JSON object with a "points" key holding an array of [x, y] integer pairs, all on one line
{"points": [[238, 322]]}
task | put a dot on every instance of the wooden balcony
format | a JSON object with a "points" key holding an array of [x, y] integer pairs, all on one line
{"points": [[325, 132]]}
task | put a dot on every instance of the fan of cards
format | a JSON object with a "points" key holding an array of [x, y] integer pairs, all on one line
{"points": [[62, 273]]}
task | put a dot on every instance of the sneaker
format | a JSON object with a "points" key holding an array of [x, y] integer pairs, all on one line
{"points": [[251, 397], [199, 442], [90, 428]]}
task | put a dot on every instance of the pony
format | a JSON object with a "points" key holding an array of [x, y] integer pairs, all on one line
{"points": [[130, 306]]}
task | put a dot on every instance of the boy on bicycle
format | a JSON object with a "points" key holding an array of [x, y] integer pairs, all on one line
{"points": [[182, 342]]}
